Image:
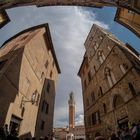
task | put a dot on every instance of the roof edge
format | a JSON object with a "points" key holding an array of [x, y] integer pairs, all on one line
{"points": [[46, 26]]}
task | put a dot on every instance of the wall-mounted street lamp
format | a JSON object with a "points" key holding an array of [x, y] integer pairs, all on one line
{"points": [[34, 99]]}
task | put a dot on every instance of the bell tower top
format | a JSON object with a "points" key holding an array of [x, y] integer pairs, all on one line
{"points": [[71, 111], [71, 99]]}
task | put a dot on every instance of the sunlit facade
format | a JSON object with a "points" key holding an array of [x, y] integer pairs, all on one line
{"points": [[28, 75], [129, 19]]}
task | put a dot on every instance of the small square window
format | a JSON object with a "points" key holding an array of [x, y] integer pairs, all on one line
{"points": [[91, 38], [101, 37], [2, 63], [46, 64], [51, 74], [47, 108], [42, 125], [48, 87], [53, 63]]}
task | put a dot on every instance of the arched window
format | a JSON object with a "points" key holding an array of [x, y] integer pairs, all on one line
{"points": [[101, 57], [104, 108], [91, 38], [95, 68], [22, 111], [92, 96], [96, 45], [42, 76], [108, 47], [110, 77], [101, 37], [87, 102], [132, 89], [117, 101], [123, 69], [101, 91]]}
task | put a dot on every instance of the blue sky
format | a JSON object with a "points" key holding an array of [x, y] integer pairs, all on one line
{"points": [[69, 28], [107, 16]]}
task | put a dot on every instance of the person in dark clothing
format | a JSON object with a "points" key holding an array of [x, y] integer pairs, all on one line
{"points": [[114, 137], [138, 131], [46, 138], [2, 134], [98, 136], [13, 135], [134, 131], [127, 134]]}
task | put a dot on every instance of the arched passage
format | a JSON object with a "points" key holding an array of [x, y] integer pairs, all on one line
{"points": [[90, 3], [120, 111], [117, 101]]}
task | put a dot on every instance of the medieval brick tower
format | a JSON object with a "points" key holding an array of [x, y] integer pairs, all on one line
{"points": [[71, 111]]}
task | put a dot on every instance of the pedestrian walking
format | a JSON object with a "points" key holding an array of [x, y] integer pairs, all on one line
{"points": [[127, 134], [2, 134], [134, 131]]}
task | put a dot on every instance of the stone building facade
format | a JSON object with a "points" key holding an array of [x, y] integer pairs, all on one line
{"points": [[133, 5], [129, 19], [110, 77], [28, 75]]}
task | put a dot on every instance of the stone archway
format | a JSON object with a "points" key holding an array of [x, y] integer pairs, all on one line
{"points": [[90, 3], [120, 111]]}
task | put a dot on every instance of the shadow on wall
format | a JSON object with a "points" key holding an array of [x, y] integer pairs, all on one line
{"points": [[26, 136], [10, 67], [46, 110]]}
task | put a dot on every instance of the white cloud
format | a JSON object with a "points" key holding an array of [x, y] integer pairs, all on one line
{"points": [[69, 28], [79, 120]]}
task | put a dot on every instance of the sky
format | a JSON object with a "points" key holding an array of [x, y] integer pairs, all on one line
{"points": [[69, 28]]}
